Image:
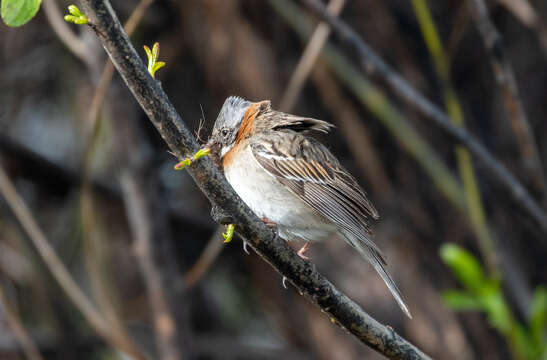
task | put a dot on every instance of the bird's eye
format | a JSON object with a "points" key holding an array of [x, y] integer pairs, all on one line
{"points": [[224, 132]]}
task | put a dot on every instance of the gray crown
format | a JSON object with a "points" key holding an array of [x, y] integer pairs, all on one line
{"points": [[232, 112]]}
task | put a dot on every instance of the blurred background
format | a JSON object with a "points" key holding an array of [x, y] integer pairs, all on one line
{"points": [[146, 269]]}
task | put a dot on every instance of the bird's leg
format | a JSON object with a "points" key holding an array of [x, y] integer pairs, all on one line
{"points": [[303, 250], [268, 222]]}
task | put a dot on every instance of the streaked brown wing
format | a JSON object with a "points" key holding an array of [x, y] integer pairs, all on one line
{"points": [[310, 171]]}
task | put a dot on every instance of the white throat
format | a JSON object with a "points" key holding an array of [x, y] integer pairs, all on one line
{"points": [[225, 150]]}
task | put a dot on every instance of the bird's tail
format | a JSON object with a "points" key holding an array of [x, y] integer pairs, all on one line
{"points": [[369, 251]]}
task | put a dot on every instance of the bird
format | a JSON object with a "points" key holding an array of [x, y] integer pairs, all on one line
{"points": [[292, 181]]}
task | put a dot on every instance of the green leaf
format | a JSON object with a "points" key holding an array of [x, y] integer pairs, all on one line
{"points": [[464, 266], [19, 12], [499, 314], [538, 314], [460, 300]]}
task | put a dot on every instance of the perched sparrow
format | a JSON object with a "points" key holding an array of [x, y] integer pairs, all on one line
{"points": [[294, 181]]}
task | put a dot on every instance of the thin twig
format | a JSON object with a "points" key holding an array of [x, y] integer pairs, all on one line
{"points": [[374, 65], [58, 270], [72, 41], [522, 10], [29, 347], [308, 58], [206, 259], [180, 140], [505, 77]]}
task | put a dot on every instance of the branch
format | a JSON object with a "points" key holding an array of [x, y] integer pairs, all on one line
{"points": [[505, 77], [374, 65], [205, 260], [180, 140]]}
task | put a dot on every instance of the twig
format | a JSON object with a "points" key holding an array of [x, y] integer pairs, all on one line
{"points": [[72, 41], [308, 59], [180, 140], [505, 77], [206, 259], [374, 65], [29, 348], [58, 270], [522, 10]]}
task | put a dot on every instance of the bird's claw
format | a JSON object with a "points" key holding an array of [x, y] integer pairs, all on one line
{"points": [[284, 282]]}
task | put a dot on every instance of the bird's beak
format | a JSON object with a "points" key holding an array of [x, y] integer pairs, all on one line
{"points": [[210, 143]]}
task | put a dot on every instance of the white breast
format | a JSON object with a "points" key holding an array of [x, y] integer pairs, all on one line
{"points": [[270, 199]]}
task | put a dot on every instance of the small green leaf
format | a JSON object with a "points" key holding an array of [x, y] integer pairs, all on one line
{"points": [[199, 154], [73, 9], [499, 314], [153, 55], [182, 164], [464, 266], [229, 233], [76, 17], [538, 315], [460, 300], [19, 12]]}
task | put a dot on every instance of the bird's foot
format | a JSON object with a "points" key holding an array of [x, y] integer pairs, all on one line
{"points": [[302, 251], [245, 247]]}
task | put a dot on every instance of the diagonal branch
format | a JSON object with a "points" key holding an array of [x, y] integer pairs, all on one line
{"points": [[374, 65], [505, 77], [180, 140]]}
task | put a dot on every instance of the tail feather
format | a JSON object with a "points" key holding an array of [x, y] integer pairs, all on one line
{"points": [[377, 261]]}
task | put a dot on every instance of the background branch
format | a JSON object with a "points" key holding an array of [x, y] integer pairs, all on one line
{"points": [[180, 140], [505, 77]]}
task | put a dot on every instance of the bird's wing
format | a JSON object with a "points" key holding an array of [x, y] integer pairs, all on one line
{"points": [[309, 170]]}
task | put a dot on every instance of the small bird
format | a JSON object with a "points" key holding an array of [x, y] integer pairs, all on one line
{"points": [[293, 181]]}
